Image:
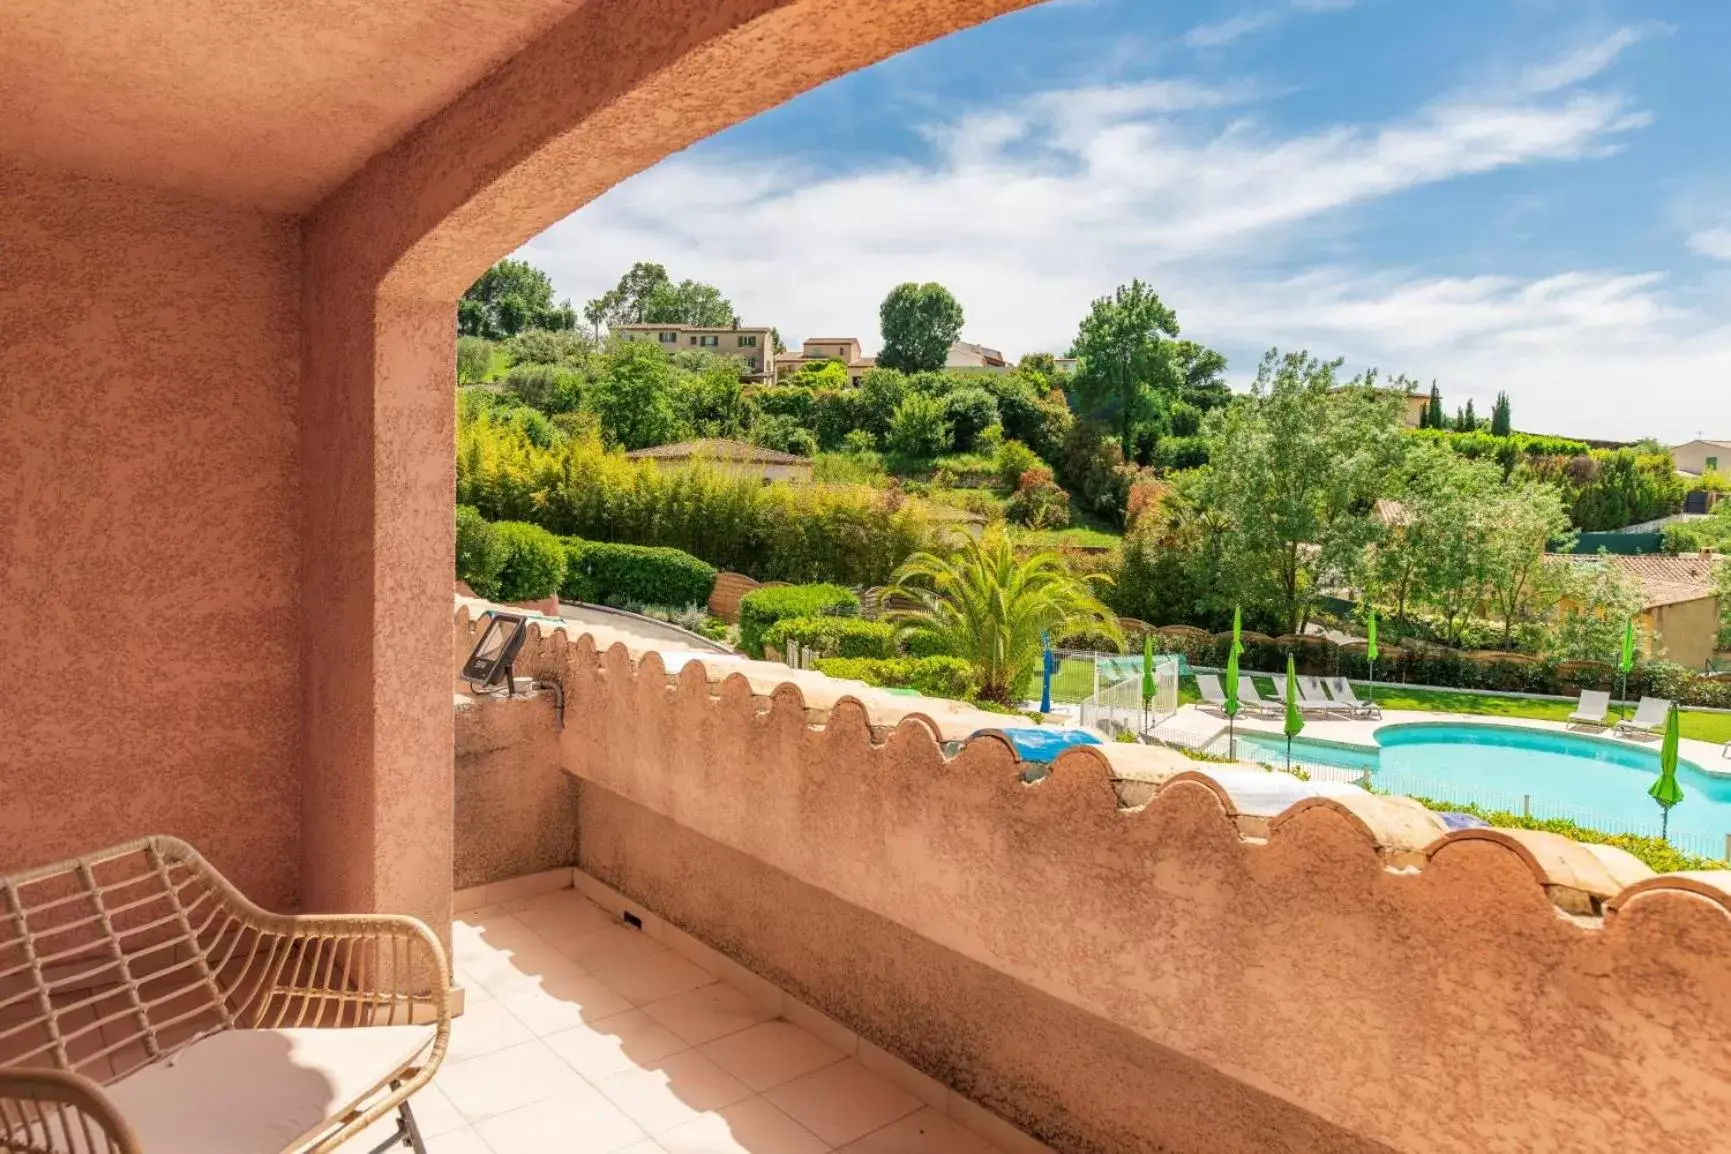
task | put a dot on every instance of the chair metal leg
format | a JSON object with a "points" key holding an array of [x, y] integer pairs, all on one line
{"points": [[408, 1132]]}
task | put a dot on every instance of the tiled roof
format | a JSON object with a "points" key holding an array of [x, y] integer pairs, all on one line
{"points": [[718, 450], [1664, 579]]}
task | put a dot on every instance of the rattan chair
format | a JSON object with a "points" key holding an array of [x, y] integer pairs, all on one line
{"points": [[147, 1007]]}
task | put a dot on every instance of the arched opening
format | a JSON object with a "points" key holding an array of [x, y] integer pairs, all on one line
{"points": [[386, 257]]}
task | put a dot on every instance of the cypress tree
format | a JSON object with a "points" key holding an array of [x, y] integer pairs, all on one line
{"points": [[1434, 416], [1500, 416]]}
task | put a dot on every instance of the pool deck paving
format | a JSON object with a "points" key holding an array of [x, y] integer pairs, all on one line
{"points": [[1705, 756]]}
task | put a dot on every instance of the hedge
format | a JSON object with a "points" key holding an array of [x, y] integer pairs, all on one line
{"points": [[933, 676], [1659, 855], [761, 608], [480, 554], [833, 636], [534, 561], [605, 573], [1415, 663]]}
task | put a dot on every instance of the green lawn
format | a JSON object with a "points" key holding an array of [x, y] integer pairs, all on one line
{"points": [[1711, 727], [1079, 536]]}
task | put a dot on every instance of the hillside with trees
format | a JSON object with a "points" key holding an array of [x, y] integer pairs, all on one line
{"points": [[1293, 502]]}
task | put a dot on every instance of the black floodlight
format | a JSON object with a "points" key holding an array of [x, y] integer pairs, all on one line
{"points": [[489, 663]]}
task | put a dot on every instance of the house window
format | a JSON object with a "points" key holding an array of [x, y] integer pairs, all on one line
{"points": [[709, 342], [1712, 464], [749, 342], [668, 338], [752, 361]]}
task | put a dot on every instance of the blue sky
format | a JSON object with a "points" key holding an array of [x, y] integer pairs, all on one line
{"points": [[1521, 195]]}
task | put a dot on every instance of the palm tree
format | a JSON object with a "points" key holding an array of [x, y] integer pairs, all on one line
{"points": [[990, 608]]}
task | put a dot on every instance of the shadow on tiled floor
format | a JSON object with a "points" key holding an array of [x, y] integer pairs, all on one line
{"points": [[586, 1035]]}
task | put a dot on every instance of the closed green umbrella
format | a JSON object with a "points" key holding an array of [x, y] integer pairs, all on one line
{"points": [[1147, 674], [1294, 719], [1666, 791], [1626, 662], [1232, 684], [1370, 646]]}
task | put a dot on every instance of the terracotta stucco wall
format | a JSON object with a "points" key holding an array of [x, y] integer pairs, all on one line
{"points": [[1688, 631], [1429, 995], [1080, 1082], [149, 525], [515, 808]]}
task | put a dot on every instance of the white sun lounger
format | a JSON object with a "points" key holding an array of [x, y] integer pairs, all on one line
{"points": [[1591, 710], [1649, 716], [1312, 698], [1250, 699], [1341, 690]]}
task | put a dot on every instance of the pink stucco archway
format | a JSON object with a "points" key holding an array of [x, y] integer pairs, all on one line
{"points": [[602, 95]]}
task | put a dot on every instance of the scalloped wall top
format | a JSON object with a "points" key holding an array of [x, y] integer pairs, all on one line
{"points": [[1433, 990]]}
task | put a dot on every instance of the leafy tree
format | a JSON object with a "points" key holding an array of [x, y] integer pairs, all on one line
{"points": [[1526, 520], [881, 392], [634, 398], [1500, 416], [785, 435], [549, 347], [549, 388], [1201, 378], [1123, 357], [1431, 548], [919, 430], [1433, 418], [474, 359], [824, 374], [1593, 602], [627, 302], [970, 411], [511, 296], [689, 303], [1295, 469], [713, 401], [991, 609], [776, 343], [919, 323], [1045, 364]]}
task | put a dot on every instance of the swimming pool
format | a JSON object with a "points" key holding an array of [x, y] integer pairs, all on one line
{"points": [[1592, 780]]}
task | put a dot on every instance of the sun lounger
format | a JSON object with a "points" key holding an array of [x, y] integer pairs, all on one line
{"points": [[1252, 700], [1649, 716], [1591, 710], [1213, 697], [1341, 690], [1312, 698]]}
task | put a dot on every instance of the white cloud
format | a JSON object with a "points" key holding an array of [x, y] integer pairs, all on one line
{"points": [[1712, 242], [1030, 210], [1583, 62], [1224, 32]]}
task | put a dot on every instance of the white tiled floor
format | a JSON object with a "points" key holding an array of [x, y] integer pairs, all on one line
{"points": [[585, 1035]]}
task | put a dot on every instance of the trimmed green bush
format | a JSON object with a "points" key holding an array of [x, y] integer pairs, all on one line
{"points": [[534, 561], [601, 572], [761, 608], [933, 676], [833, 636], [925, 643], [480, 553]]}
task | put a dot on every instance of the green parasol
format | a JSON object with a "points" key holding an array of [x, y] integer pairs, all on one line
{"points": [[1370, 644], [1626, 662], [1294, 719], [1147, 668], [1666, 791], [1232, 683]]}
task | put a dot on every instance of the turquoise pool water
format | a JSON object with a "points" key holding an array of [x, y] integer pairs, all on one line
{"points": [[1593, 780]]}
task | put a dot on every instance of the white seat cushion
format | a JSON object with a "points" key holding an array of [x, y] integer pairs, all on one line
{"points": [[263, 1091]]}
